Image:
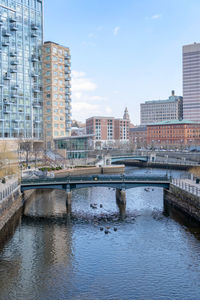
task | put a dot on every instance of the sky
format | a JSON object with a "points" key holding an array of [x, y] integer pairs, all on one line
{"points": [[123, 52]]}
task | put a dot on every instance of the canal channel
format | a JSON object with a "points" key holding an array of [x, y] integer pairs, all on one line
{"points": [[148, 255]]}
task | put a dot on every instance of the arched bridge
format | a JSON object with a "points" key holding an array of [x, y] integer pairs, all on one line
{"points": [[69, 183]]}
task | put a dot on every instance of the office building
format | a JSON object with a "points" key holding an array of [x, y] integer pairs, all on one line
{"points": [[56, 92], [161, 110], [191, 82], [21, 34]]}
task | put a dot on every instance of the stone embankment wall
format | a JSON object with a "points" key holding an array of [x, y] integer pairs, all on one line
{"points": [[91, 171], [182, 200]]}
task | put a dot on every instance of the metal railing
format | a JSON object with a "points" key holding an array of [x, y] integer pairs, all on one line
{"points": [[101, 178], [186, 186], [8, 190]]}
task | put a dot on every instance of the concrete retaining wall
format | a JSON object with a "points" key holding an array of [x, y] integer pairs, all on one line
{"points": [[11, 205], [183, 200]]}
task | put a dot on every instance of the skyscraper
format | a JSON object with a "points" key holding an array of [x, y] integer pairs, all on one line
{"points": [[191, 82], [56, 92], [21, 37]]}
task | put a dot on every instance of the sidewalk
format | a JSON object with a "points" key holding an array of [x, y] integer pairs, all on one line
{"points": [[188, 185]]}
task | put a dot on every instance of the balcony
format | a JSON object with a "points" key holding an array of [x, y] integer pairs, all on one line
{"points": [[13, 54], [34, 75], [1, 22], [34, 35], [34, 58], [13, 20], [14, 87], [34, 27], [14, 96], [37, 121], [6, 34], [13, 70], [5, 43], [13, 28], [36, 104], [7, 77], [36, 90], [14, 62]]}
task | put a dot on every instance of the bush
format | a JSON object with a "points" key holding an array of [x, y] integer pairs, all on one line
{"points": [[3, 180]]}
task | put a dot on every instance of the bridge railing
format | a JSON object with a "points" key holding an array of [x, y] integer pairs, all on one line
{"points": [[101, 178]]}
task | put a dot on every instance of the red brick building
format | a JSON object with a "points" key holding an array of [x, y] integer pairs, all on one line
{"points": [[108, 130], [174, 133]]}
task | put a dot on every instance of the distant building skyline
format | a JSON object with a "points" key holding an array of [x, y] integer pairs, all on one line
{"points": [[106, 75]]}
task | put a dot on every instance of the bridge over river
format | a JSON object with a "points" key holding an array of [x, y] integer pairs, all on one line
{"points": [[118, 182]]}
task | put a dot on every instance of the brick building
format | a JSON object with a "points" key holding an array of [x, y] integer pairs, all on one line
{"points": [[108, 130], [138, 136], [56, 92], [173, 133]]}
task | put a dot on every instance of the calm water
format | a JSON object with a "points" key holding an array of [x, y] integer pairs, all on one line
{"points": [[150, 256]]}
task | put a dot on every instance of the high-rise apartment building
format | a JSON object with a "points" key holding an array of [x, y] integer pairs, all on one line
{"points": [[161, 110], [21, 36], [191, 82], [56, 92]]}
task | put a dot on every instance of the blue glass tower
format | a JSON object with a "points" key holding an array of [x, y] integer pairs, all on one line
{"points": [[21, 38]]}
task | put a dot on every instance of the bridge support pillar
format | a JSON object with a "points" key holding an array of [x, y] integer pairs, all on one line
{"points": [[121, 202], [68, 201]]}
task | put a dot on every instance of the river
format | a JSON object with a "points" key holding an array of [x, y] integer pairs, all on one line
{"points": [[149, 256]]}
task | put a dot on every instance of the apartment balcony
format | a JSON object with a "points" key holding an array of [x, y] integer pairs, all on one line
{"points": [[14, 62], [13, 20], [5, 43], [68, 85], [7, 77], [13, 54], [34, 75], [14, 87], [67, 64], [14, 96], [36, 90], [34, 58], [34, 34], [1, 22], [6, 34], [36, 104], [34, 27], [13, 28], [37, 121], [13, 70]]}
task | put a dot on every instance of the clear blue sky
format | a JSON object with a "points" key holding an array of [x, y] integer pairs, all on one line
{"points": [[123, 52]]}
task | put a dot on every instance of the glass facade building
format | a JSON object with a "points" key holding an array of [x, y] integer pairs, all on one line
{"points": [[21, 38]]}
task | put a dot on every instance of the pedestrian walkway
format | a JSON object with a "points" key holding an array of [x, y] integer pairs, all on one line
{"points": [[188, 185], [7, 188]]}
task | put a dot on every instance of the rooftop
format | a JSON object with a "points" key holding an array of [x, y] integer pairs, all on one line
{"points": [[174, 122]]}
